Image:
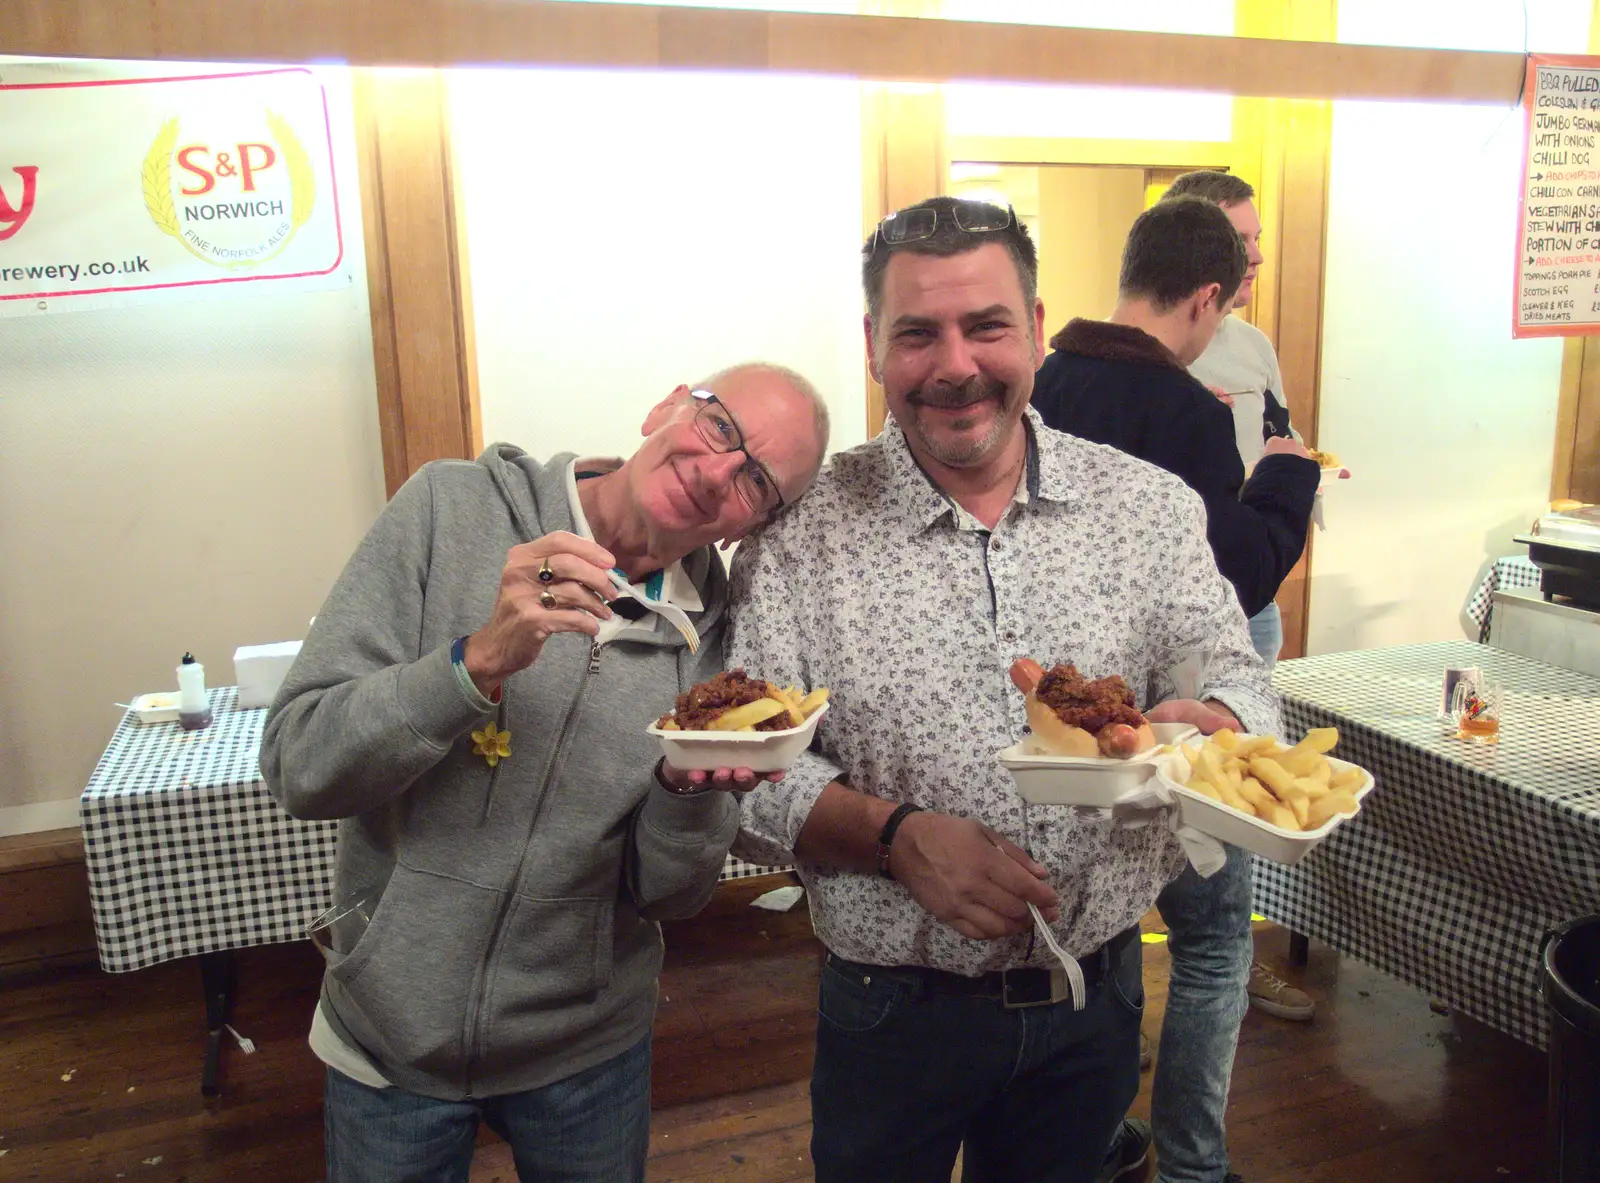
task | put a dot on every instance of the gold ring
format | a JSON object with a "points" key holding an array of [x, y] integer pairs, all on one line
{"points": [[545, 574], [548, 601]]}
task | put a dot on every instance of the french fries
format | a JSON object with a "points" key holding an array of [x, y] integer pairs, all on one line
{"points": [[745, 718], [791, 702], [1292, 787]]}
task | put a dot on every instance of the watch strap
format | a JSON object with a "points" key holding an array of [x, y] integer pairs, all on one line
{"points": [[676, 791], [886, 836]]}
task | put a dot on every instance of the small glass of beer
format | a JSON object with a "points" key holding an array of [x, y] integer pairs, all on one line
{"points": [[1476, 707]]}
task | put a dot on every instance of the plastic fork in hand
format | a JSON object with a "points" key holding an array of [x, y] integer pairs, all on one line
{"points": [[630, 605]]}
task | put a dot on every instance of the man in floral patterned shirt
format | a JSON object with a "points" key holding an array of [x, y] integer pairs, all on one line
{"points": [[922, 564]]}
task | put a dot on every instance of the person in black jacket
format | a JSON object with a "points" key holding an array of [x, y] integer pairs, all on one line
{"points": [[1123, 382]]}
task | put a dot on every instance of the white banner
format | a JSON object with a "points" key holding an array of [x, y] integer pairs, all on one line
{"points": [[117, 190]]}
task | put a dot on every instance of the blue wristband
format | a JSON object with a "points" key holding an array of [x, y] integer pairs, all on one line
{"points": [[458, 666]]}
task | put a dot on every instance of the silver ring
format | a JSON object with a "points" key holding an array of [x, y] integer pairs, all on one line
{"points": [[548, 601], [545, 574]]}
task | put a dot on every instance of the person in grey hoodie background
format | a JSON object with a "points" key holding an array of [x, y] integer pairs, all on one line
{"points": [[473, 710]]}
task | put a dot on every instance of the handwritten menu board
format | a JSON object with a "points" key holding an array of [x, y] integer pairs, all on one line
{"points": [[1558, 227]]}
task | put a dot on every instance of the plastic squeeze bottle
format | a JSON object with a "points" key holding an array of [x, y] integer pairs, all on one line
{"points": [[194, 712]]}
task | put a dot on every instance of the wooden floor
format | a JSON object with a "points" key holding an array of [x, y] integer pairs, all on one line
{"points": [[99, 1074]]}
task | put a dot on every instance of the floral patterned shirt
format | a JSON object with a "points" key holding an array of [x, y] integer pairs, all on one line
{"points": [[879, 587]]}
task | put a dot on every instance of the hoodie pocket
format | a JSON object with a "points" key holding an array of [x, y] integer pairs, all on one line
{"points": [[553, 953], [411, 975]]}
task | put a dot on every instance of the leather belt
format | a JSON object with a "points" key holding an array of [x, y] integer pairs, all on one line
{"points": [[1030, 985]]}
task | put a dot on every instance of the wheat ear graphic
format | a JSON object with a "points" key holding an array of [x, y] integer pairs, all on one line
{"points": [[156, 177]]}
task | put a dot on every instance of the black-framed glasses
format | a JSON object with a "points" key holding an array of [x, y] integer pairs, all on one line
{"points": [[721, 433], [975, 217]]}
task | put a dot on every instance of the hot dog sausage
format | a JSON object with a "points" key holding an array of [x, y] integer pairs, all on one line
{"points": [[1025, 674], [1118, 740]]}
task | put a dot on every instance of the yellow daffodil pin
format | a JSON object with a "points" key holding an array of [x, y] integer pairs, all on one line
{"points": [[494, 746]]}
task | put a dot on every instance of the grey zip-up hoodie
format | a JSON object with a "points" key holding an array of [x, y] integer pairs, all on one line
{"points": [[515, 941]]}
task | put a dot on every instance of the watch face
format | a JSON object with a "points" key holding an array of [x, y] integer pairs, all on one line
{"points": [[688, 791]]}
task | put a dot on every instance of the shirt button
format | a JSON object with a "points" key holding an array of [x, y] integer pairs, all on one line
{"points": [[1009, 635]]}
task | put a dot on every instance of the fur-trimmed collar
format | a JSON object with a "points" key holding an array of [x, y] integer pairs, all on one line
{"points": [[1113, 342]]}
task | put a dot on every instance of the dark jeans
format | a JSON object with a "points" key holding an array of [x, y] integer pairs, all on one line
{"points": [[590, 1128], [905, 1075]]}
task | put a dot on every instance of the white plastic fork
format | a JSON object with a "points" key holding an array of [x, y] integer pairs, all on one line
{"points": [[247, 1046], [1068, 961], [671, 613]]}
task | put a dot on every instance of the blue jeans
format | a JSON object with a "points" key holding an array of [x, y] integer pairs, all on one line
{"points": [[590, 1128], [1208, 934], [904, 1075], [1266, 633]]}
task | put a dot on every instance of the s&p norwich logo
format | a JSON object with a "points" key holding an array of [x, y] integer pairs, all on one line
{"points": [[233, 205]]}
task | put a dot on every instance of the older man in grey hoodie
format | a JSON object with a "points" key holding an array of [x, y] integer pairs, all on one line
{"points": [[475, 712]]}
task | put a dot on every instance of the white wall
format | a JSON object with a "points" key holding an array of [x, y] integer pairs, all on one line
{"points": [[1004, 109], [643, 230], [188, 476], [1447, 423]]}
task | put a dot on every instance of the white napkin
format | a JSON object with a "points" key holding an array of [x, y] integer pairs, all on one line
{"points": [[779, 899], [1153, 801]]}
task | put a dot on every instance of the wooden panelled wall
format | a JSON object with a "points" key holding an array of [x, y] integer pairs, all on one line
{"points": [[1283, 148], [896, 47], [422, 338]]}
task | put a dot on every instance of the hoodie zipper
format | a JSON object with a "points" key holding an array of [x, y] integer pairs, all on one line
{"points": [[494, 773], [495, 940], [594, 657]]}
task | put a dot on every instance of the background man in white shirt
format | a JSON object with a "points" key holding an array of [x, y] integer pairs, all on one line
{"points": [[1240, 362]]}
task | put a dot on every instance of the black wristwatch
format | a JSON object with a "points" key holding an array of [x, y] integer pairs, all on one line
{"points": [[886, 837], [691, 791]]}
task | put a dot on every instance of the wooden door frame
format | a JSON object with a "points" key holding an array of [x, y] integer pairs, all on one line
{"points": [[423, 346]]}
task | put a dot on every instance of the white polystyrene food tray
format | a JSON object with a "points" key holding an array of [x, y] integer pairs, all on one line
{"points": [[760, 751], [161, 707], [1094, 781], [1555, 528], [1227, 824]]}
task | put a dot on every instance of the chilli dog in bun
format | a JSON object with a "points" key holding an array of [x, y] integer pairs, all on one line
{"points": [[1073, 716]]}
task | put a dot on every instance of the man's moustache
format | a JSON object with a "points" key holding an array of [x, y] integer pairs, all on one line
{"points": [[972, 391]]}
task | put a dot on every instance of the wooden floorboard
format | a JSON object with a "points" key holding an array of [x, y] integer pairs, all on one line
{"points": [[99, 1073]]}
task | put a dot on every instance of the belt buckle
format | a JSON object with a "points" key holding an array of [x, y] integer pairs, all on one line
{"points": [[1021, 988]]}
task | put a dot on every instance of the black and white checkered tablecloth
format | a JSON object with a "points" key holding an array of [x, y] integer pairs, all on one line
{"points": [[1463, 856], [188, 853], [1505, 574]]}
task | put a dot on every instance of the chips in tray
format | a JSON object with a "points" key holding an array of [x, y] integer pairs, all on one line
{"points": [[791, 703], [1294, 788]]}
